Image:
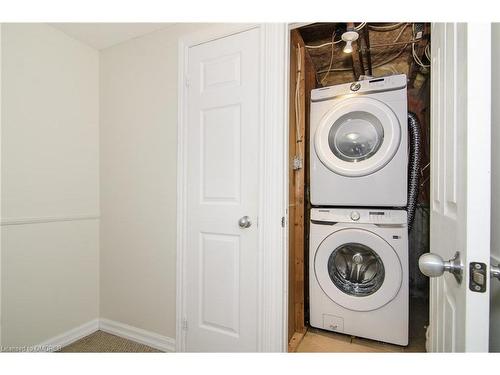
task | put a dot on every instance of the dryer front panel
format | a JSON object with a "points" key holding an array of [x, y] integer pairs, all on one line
{"points": [[357, 137], [358, 269]]}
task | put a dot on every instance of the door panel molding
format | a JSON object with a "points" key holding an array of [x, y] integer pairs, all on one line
{"points": [[272, 300]]}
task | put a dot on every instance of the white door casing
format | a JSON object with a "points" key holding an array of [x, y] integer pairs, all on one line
{"points": [[231, 144], [460, 182]]}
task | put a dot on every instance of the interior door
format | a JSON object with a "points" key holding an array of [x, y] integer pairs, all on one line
{"points": [[460, 188], [222, 197]]}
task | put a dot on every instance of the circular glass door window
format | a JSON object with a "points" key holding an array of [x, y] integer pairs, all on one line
{"points": [[356, 136], [356, 270]]}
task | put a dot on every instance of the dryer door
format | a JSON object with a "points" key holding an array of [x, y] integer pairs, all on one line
{"points": [[357, 137], [358, 269]]}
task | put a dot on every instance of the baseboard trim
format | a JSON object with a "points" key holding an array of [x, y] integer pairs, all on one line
{"points": [[155, 340], [68, 337]]}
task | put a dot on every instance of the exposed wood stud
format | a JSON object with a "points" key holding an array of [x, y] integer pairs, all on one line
{"points": [[366, 40], [297, 185], [357, 61]]}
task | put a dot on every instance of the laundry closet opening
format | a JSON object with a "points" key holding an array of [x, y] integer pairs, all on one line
{"points": [[359, 178]]}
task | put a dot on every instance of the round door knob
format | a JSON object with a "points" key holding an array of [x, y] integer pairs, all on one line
{"points": [[431, 265], [244, 222]]}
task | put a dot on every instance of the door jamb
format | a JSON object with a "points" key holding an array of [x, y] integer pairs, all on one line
{"points": [[273, 185]]}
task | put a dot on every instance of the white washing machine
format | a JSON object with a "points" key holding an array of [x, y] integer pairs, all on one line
{"points": [[358, 273], [359, 151]]}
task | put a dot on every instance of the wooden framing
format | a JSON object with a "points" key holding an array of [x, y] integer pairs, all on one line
{"points": [[357, 60], [296, 187], [302, 80]]}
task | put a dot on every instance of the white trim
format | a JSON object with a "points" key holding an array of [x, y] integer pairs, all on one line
{"points": [[273, 190], [273, 184], [1, 26], [478, 189], [67, 338], [47, 219], [154, 340]]}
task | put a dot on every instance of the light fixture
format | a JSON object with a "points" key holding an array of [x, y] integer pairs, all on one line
{"points": [[348, 37]]}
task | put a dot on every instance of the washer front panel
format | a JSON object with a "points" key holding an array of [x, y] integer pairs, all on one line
{"points": [[357, 137], [392, 269]]}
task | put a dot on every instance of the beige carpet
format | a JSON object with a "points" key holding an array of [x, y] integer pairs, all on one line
{"points": [[102, 342]]}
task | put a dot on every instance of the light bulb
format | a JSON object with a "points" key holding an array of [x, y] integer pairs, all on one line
{"points": [[348, 47], [348, 37]]}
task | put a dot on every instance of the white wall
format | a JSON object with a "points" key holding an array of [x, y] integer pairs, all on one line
{"points": [[138, 180], [495, 193], [50, 172]]}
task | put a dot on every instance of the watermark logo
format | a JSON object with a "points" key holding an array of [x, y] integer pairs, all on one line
{"points": [[30, 349]]}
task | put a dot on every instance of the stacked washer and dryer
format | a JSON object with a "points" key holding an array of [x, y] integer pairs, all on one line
{"points": [[358, 253]]}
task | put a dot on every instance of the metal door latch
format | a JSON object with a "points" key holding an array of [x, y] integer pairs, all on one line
{"points": [[495, 271], [477, 277]]}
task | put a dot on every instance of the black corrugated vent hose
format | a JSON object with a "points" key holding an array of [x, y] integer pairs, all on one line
{"points": [[413, 166]]}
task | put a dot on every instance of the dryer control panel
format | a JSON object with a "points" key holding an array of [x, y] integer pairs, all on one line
{"points": [[359, 215], [388, 83]]}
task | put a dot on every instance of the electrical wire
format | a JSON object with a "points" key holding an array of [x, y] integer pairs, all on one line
{"points": [[297, 103], [357, 28], [427, 52], [360, 26], [297, 96], [381, 63], [390, 59], [397, 37], [331, 59], [414, 53], [319, 46], [386, 28], [416, 58], [323, 45], [374, 46], [375, 65]]}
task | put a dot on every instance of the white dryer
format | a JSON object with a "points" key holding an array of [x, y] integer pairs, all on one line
{"points": [[358, 273], [358, 142]]}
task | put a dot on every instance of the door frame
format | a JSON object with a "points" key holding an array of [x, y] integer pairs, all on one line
{"points": [[273, 184]]}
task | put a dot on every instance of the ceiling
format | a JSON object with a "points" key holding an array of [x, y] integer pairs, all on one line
{"points": [[104, 35]]}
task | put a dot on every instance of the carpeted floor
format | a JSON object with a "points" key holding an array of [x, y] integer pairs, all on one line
{"points": [[102, 342]]}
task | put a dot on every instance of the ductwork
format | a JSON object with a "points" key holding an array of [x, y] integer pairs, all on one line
{"points": [[413, 166]]}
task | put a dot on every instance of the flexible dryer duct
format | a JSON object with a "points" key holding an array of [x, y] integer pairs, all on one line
{"points": [[413, 166]]}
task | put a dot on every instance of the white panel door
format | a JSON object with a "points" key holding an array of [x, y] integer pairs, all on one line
{"points": [[460, 184], [222, 175]]}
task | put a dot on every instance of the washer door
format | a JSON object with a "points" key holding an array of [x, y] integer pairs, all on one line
{"points": [[358, 269], [357, 137]]}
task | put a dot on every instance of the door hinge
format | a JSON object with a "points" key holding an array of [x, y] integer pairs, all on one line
{"points": [[282, 221], [184, 324]]}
